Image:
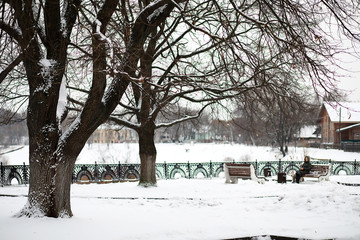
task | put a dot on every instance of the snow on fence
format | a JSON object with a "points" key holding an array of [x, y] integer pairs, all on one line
{"points": [[102, 173]]}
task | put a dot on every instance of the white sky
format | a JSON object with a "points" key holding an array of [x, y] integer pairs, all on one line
{"points": [[352, 81]]}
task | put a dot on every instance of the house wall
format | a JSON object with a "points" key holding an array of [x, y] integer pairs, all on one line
{"points": [[344, 134], [327, 128], [354, 133], [329, 133]]}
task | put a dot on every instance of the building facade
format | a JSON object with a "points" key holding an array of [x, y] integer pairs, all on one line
{"points": [[340, 123], [112, 134]]}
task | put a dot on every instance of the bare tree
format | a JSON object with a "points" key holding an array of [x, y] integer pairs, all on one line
{"points": [[275, 116], [42, 33], [214, 50]]}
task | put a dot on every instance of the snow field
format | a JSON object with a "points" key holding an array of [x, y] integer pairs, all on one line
{"points": [[194, 209], [198, 152]]}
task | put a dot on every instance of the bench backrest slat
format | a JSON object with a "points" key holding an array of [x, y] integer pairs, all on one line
{"points": [[239, 169], [238, 164], [320, 168]]}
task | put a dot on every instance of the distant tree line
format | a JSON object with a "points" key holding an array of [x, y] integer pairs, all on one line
{"points": [[244, 127], [13, 129]]}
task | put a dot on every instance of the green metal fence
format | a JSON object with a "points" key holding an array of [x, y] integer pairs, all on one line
{"points": [[125, 172]]}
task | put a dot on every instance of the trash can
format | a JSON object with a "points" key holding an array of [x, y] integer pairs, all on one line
{"points": [[267, 172], [281, 177]]}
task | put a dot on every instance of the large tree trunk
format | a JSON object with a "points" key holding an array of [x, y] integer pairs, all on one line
{"points": [[49, 190], [147, 152], [50, 169]]}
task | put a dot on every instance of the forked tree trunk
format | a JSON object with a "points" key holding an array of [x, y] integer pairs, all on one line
{"points": [[52, 159], [50, 167], [147, 152]]}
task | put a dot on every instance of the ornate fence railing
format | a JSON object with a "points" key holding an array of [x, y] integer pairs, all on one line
{"points": [[87, 173]]}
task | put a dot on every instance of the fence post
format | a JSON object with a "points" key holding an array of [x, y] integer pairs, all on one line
{"points": [[256, 167], [279, 169], [96, 172], [331, 167], [188, 167], [165, 169], [211, 170], [119, 170], [355, 168]]}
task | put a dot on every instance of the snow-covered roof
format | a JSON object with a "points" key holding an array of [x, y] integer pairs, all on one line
{"points": [[348, 127], [349, 111], [308, 132]]}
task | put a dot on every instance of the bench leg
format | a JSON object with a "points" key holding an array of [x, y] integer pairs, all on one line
{"points": [[234, 180], [261, 181], [324, 179], [231, 180]]}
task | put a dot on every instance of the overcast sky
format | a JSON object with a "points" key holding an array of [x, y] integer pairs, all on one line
{"points": [[351, 82]]}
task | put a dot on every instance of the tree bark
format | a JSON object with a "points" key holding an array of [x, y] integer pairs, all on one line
{"points": [[49, 189], [147, 152]]}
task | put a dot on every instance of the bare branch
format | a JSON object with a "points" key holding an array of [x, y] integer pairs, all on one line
{"points": [[186, 118], [10, 67]]}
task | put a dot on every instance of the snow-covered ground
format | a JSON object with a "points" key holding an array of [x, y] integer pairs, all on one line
{"points": [[196, 208], [199, 152]]}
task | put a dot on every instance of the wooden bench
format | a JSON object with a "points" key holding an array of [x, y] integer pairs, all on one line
{"points": [[234, 171], [319, 171]]}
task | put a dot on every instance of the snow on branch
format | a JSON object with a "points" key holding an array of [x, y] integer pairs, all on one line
{"points": [[186, 118], [124, 122], [62, 102], [104, 38], [47, 73], [47, 66], [63, 23], [156, 13]]}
